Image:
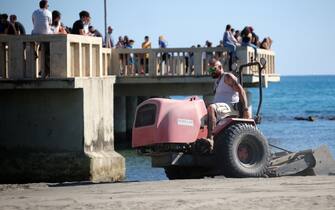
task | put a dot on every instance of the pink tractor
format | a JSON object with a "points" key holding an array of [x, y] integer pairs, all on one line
{"points": [[172, 132]]}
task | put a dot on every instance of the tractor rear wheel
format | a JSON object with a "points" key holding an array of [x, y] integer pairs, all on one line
{"points": [[242, 151]]}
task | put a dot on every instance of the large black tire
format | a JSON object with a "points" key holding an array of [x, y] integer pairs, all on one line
{"points": [[241, 150], [182, 172]]}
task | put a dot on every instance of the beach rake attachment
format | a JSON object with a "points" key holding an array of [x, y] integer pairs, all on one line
{"points": [[303, 163]]}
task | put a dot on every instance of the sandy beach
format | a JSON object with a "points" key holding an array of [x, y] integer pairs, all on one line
{"points": [[212, 193]]}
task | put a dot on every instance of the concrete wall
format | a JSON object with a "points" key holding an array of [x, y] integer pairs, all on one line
{"points": [[40, 119], [56, 134], [120, 132]]}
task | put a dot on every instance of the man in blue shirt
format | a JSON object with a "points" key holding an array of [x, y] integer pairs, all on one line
{"points": [[231, 43]]}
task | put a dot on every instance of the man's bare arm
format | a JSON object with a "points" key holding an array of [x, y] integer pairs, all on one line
{"points": [[231, 80]]}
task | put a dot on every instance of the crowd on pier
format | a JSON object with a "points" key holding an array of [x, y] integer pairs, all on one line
{"points": [[47, 22]]}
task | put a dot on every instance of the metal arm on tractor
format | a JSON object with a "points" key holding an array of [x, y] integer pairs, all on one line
{"points": [[261, 65]]}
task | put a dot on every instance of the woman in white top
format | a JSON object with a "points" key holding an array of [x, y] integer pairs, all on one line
{"points": [[56, 26]]}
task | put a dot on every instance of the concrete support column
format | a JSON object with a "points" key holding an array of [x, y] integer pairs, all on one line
{"points": [[131, 104], [59, 130], [120, 128]]}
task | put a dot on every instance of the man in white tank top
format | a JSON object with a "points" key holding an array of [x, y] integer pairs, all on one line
{"points": [[228, 92]]}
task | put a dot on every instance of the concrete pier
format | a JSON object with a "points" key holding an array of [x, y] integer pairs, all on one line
{"points": [[60, 127], [58, 130]]}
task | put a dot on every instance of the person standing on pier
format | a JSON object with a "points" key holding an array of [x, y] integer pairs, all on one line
{"points": [[231, 43], [162, 43], [42, 20], [145, 57], [109, 41]]}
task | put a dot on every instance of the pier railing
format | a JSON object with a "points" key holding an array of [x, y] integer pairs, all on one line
{"points": [[67, 56], [182, 61], [29, 57]]}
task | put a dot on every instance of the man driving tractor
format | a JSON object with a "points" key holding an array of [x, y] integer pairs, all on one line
{"points": [[229, 97]]}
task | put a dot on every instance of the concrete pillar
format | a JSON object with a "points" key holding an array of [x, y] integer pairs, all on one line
{"points": [[59, 130], [120, 128], [131, 104]]}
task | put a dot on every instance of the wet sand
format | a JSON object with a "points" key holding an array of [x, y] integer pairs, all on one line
{"points": [[218, 193]]}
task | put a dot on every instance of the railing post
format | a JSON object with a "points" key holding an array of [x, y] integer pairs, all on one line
{"points": [[15, 59], [59, 60], [115, 63], [109, 63], [152, 63], [243, 55], [198, 63], [101, 68], [31, 60], [3, 59], [104, 64], [96, 61], [90, 60]]}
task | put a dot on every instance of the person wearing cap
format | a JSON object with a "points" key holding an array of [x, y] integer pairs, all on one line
{"points": [[94, 32], [229, 97], [78, 26]]}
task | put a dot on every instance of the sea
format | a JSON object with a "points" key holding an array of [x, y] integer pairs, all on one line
{"points": [[293, 97]]}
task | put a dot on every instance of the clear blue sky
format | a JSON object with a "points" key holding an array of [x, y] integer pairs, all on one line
{"points": [[302, 30]]}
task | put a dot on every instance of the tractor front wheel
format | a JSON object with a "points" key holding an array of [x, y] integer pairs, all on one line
{"points": [[242, 151]]}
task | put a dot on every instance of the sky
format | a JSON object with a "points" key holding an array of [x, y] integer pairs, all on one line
{"points": [[302, 30]]}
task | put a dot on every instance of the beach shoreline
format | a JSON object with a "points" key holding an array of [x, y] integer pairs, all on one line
{"points": [[211, 193]]}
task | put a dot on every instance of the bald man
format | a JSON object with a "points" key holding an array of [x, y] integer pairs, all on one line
{"points": [[229, 99]]}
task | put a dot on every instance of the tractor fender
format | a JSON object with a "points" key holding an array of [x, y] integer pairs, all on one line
{"points": [[222, 124]]}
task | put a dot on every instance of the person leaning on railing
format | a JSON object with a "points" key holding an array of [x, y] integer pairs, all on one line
{"points": [[6, 27], [79, 25], [246, 35], [266, 43], [20, 30]]}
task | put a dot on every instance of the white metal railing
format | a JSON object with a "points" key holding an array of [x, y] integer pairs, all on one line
{"points": [[24, 57]]}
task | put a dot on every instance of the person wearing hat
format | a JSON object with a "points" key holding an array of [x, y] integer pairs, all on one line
{"points": [[78, 26], [229, 97], [94, 32]]}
